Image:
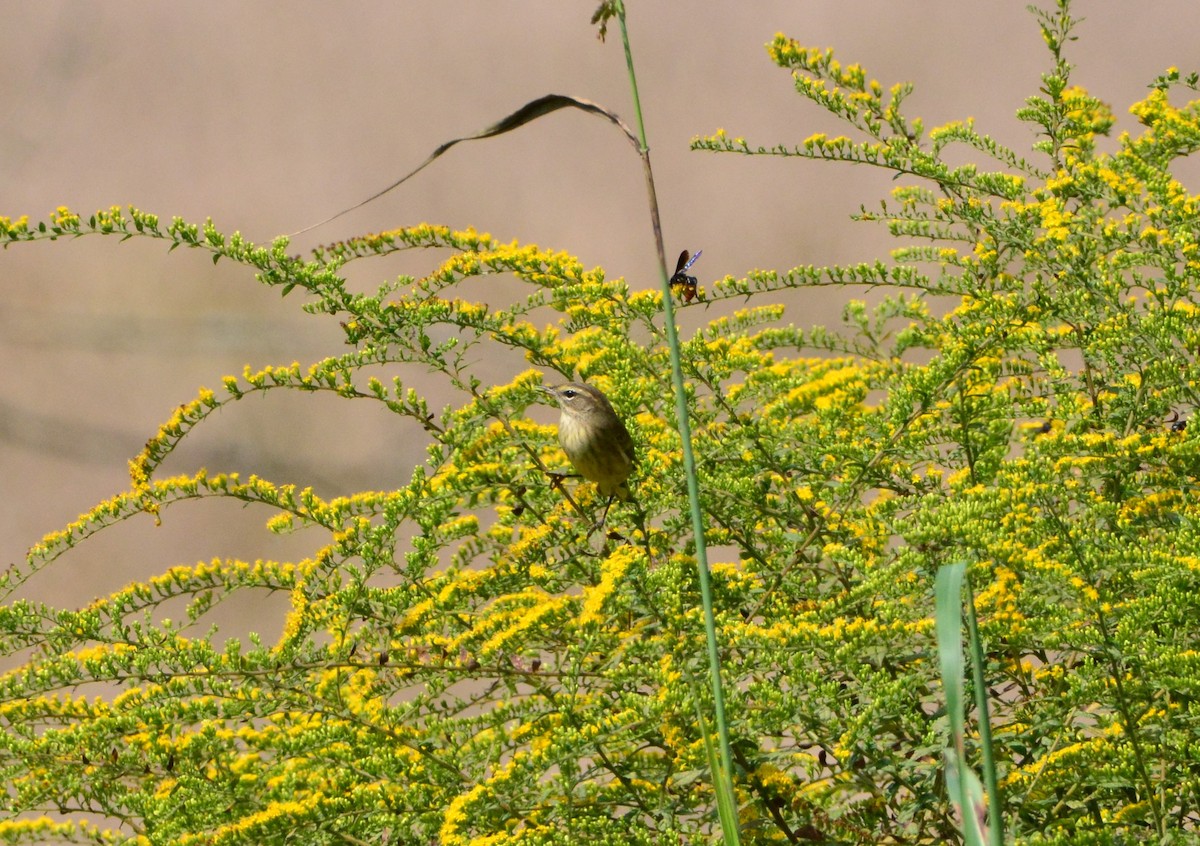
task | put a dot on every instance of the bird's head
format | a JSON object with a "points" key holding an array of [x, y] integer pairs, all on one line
{"points": [[578, 400]]}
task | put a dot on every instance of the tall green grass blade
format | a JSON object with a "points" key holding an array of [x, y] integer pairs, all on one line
{"points": [[962, 785]]}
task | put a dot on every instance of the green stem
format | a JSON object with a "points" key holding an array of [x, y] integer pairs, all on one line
{"points": [[990, 783], [722, 780]]}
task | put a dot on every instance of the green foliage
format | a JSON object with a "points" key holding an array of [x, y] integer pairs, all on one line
{"points": [[466, 661]]}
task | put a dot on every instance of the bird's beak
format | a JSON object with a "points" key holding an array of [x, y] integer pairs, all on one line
{"points": [[546, 390]]}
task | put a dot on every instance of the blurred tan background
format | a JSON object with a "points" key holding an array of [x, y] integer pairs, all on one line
{"points": [[270, 117]]}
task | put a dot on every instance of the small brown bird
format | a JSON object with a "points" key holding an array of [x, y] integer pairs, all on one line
{"points": [[594, 438]]}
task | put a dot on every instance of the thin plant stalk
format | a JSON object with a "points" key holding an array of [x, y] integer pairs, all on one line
{"points": [[722, 780], [990, 782]]}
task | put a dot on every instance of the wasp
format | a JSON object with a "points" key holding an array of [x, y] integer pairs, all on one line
{"points": [[687, 284]]}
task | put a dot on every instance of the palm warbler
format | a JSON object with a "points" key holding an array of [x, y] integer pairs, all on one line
{"points": [[594, 438]]}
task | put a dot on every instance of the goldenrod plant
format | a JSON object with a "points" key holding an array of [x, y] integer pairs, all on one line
{"points": [[467, 661]]}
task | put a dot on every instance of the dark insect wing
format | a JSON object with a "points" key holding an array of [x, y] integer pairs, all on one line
{"points": [[680, 276]]}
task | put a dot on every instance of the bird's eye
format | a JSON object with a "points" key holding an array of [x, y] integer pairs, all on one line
{"points": [[570, 393]]}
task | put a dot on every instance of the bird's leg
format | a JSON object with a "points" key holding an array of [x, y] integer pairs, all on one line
{"points": [[604, 514], [556, 482], [557, 479]]}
